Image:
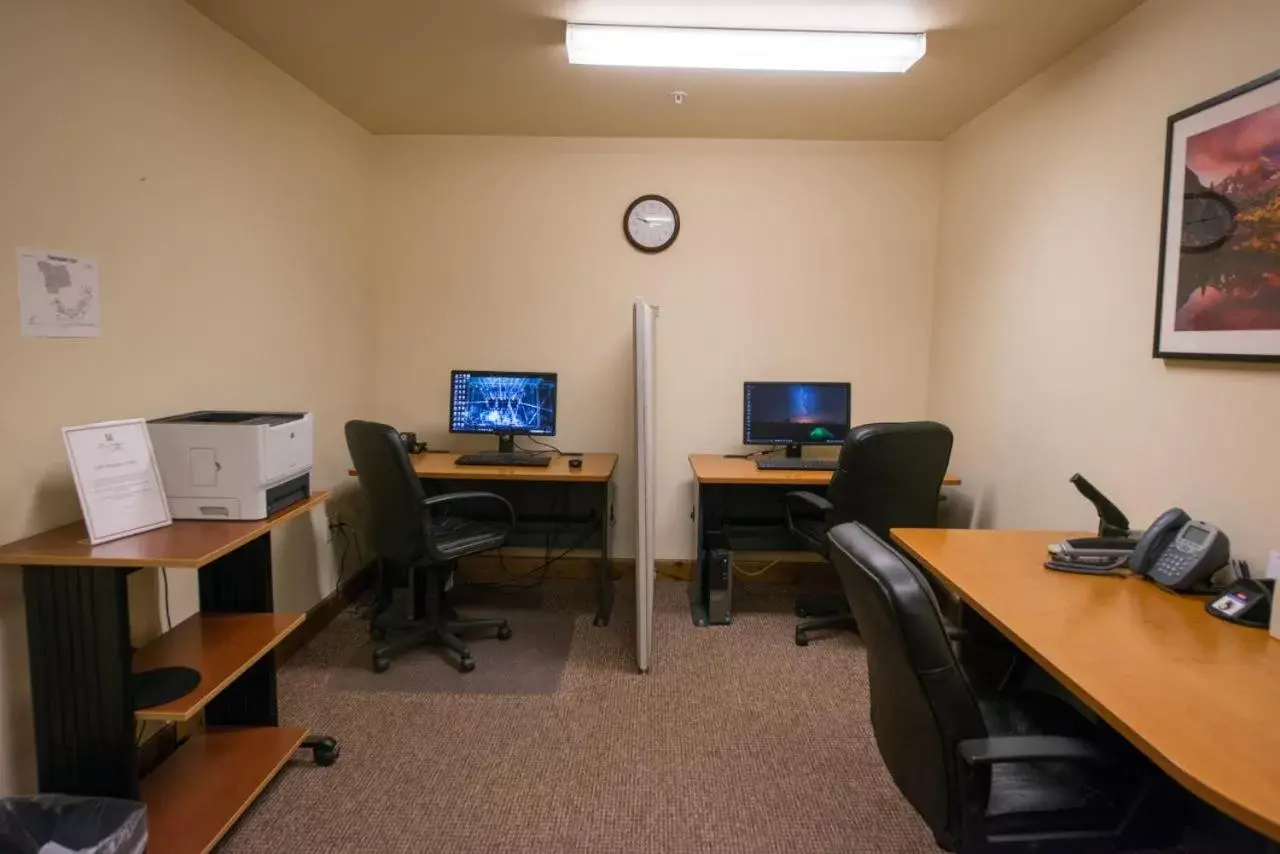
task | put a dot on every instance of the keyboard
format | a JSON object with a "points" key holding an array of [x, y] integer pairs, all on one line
{"points": [[796, 465], [497, 458]]}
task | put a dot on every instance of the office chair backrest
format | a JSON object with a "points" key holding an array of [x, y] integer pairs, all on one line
{"points": [[889, 475], [921, 701], [390, 486]]}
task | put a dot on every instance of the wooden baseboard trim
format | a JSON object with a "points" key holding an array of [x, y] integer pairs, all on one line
{"points": [[323, 613], [791, 572], [490, 568]]}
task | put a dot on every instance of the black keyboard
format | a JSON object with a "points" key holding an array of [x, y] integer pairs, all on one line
{"points": [[797, 465], [497, 458]]}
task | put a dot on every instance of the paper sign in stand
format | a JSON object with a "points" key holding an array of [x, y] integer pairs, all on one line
{"points": [[116, 479]]}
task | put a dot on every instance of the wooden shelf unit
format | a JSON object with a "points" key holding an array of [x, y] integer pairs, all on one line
{"points": [[195, 797], [219, 646], [82, 668]]}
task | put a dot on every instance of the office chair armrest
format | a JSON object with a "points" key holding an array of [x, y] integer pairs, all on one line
{"points": [[436, 500], [1029, 748], [806, 501]]}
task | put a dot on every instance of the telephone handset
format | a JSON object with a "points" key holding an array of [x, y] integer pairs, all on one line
{"points": [[1178, 552]]}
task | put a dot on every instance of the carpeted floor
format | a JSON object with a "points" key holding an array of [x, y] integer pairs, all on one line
{"points": [[738, 740]]}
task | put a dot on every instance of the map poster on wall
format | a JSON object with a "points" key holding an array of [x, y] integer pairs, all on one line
{"points": [[57, 295]]}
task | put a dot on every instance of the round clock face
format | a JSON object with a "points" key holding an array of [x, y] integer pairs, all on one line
{"points": [[1208, 221], [651, 223]]}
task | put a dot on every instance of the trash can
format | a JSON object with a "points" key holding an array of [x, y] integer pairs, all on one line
{"points": [[62, 824]]}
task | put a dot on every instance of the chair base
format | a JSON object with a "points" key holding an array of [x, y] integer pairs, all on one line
{"points": [[821, 605], [444, 636], [843, 621]]}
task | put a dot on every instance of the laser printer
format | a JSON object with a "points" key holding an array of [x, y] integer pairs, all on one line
{"points": [[233, 465]]}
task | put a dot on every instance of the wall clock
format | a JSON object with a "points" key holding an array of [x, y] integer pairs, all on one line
{"points": [[651, 223]]}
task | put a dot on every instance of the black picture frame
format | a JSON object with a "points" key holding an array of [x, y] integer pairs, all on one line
{"points": [[651, 250], [1204, 258]]}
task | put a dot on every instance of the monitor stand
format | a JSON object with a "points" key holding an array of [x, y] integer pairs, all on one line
{"points": [[794, 452], [506, 443]]}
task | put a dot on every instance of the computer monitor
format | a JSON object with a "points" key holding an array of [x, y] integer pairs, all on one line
{"points": [[507, 403], [795, 414]]}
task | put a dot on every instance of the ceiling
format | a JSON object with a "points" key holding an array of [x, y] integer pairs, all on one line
{"points": [[499, 66]]}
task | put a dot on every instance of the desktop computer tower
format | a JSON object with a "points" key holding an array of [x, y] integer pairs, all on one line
{"points": [[719, 587]]}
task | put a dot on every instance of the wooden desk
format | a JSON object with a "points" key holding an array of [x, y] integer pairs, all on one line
{"points": [[716, 468], [739, 507], [1199, 696], [595, 468], [82, 669], [557, 507]]}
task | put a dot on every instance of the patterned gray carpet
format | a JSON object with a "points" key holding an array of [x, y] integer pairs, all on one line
{"points": [[737, 741]]}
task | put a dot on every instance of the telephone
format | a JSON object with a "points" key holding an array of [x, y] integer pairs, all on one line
{"points": [[1176, 552], [1179, 552], [411, 443]]}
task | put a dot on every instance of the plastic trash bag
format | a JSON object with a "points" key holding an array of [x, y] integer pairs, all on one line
{"points": [[61, 824]]}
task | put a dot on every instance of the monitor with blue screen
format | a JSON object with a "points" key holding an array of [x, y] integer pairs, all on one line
{"points": [[795, 414], [505, 403]]}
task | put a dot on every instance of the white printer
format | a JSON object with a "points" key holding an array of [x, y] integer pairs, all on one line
{"points": [[233, 465]]}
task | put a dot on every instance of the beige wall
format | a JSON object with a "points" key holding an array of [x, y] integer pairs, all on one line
{"points": [[227, 208], [795, 260], [1046, 281]]}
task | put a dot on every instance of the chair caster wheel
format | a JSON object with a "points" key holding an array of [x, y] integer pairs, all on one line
{"points": [[381, 664], [504, 633], [466, 665], [378, 634], [326, 752], [801, 640], [801, 611]]}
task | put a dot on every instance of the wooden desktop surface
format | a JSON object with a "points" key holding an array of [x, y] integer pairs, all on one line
{"points": [[595, 468], [186, 543], [1198, 695], [716, 468]]}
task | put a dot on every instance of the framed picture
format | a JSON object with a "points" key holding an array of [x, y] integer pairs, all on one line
{"points": [[1219, 288]]}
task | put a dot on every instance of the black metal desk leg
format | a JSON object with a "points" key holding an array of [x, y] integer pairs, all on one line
{"points": [[81, 679], [240, 582], [604, 567]]}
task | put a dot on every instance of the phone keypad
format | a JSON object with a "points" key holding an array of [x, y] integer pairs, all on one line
{"points": [[1172, 564]]}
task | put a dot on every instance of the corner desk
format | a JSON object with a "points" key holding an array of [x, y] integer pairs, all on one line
{"points": [[1197, 695], [82, 667], [557, 507], [739, 507]]}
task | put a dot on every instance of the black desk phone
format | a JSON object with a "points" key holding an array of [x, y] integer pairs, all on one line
{"points": [[1176, 552], [1179, 552]]}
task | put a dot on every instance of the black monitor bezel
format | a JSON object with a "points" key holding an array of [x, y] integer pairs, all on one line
{"points": [[848, 411], [555, 400]]}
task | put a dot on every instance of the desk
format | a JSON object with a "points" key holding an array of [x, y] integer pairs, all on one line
{"points": [[82, 665], [739, 507], [557, 507], [1199, 696]]}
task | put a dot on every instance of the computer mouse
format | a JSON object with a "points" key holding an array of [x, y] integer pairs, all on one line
{"points": [[575, 463]]}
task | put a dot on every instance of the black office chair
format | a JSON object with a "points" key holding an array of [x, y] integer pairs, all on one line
{"points": [[1026, 773], [425, 537], [889, 476]]}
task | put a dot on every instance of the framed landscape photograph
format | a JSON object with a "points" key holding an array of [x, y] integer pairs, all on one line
{"points": [[1219, 283]]}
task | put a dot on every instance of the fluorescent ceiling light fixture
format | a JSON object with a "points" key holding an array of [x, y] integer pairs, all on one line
{"points": [[763, 50]]}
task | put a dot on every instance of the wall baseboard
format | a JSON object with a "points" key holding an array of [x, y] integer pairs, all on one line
{"points": [[581, 567], [323, 612], [800, 573]]}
